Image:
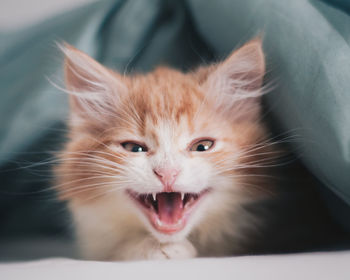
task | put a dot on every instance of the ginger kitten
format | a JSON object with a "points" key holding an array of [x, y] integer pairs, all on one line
{"points": [[176, 165]]}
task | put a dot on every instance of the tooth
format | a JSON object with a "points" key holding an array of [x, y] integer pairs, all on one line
{"points": [[182, 196], [159, 222], [154, 195]]}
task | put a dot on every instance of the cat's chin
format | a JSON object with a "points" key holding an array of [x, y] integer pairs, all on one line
{"points": [[168, 212]]}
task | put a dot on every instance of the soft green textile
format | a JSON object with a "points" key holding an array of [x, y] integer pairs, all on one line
{"points": [[308, 55]]}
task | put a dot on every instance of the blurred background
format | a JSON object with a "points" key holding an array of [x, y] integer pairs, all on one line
{"points": [[15, 14], [33, 224]]}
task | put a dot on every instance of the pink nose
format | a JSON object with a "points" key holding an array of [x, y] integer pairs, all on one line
{"points": [[167, 176]]}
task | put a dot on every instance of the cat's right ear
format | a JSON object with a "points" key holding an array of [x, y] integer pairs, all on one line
{"points": [[236, 84], [94, 90]]}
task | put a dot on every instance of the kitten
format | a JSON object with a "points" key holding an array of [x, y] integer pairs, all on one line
{"points": [[176, 165]]}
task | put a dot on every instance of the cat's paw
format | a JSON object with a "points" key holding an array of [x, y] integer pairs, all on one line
{"points": [[151, 249], [181, 250], [178, 250]]}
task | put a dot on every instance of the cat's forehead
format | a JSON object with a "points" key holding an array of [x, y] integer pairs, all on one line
{"points": [[165, 94]]}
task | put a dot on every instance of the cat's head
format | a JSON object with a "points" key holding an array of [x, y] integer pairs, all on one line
{"points": [[175, 146]]}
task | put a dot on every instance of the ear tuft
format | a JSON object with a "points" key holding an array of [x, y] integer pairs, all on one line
{"points": [[244, 70], [94, 90], [239, 78], [82, 73]]}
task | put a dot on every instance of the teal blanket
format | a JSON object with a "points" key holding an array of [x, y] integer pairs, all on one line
{"points": [[308, 55]]}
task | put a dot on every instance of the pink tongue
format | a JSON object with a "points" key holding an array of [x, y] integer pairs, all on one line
{"points": [[169, 207]]}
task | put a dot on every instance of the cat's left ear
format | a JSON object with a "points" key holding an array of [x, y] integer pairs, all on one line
{"points": [[237, 81], [94, 89]]}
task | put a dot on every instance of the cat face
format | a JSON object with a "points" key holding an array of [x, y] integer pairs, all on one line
{"points": [[174, 146]]}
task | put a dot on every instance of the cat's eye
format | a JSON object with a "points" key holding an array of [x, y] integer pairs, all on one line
{"points": [[134, 147], [202, 145]]}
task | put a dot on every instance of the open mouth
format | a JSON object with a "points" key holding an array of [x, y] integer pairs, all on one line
{"points": [[168, 212]]}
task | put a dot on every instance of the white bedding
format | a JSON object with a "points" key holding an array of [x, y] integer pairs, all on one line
{"points": [[331, 265]]}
